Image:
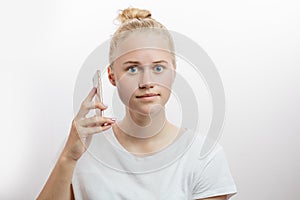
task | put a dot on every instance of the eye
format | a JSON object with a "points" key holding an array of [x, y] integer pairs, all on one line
{"points": [[132, 69], [158, 68]]}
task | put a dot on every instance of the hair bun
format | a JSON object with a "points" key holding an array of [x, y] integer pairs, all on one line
{"points": [[133, 13]]}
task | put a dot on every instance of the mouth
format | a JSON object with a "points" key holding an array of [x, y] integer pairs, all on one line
{"points": [[148, 95]]}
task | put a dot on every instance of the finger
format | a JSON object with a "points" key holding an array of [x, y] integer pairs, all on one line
{"points": [[100, 105], [93, 105], [96, 120], [86, 103], [91, 95], [97, 129], [87, 106]]}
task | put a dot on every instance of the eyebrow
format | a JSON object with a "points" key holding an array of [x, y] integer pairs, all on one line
{"points": [[137, 62], [131, 62]]}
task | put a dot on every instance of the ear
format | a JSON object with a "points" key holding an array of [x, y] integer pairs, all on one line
{"points": [[111, 76]]}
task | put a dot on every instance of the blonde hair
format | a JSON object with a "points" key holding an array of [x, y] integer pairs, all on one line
{"points": [[133, 19]]}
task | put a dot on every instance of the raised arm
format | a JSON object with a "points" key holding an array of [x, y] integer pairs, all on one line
{"points": [[59, 183]]}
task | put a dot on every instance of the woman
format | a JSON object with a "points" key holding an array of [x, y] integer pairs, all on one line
{"points": [[143, 70]]}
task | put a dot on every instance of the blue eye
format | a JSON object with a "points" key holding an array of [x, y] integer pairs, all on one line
{"points": [[158, 68], [132, 69]]}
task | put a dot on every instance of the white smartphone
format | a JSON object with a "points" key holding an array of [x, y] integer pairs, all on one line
{"points": [[98, 84]]}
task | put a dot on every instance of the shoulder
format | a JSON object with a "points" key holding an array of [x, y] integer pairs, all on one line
{"points": [[211, 172]]}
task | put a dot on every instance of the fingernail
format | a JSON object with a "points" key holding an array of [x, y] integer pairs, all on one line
{"points": [[113, 119]]}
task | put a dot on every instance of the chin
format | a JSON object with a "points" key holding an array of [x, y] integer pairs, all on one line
{"points": [[148, 110]]}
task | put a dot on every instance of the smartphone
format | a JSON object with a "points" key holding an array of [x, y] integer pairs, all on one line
{"points": [[98, 84]]}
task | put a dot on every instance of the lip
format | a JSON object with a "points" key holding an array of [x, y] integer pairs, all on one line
{"points": [[147, 95]]}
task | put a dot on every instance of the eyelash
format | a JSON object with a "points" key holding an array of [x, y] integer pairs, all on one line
{"points": [[132, 66], [136, 66], [163, 67]]}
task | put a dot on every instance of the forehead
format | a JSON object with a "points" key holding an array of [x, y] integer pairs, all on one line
{"points": [[145, 56], [142, 45]]}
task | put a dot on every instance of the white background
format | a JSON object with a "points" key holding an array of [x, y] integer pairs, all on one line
{"points": [[254, 44]]}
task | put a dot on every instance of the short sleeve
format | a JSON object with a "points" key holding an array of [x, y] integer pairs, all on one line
{"points": [[212, 176]]}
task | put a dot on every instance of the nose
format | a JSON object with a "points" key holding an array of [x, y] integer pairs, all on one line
{"points": [[145, 80]]}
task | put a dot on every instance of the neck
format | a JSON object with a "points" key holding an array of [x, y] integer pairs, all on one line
{"points": [[143, 126]]}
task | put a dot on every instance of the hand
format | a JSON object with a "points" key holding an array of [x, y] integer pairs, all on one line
{"points": [[83, 128]]}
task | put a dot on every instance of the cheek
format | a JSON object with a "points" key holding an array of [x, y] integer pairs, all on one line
{"points": [[166, 93], [127, 85], [165, 80], [126, 88]]}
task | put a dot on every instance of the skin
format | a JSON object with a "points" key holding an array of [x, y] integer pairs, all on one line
{"points": [[142, 114], [143, 72], [59, 183]]}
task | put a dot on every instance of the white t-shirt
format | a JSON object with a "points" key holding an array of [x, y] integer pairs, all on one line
{"points": [[108, 171]]}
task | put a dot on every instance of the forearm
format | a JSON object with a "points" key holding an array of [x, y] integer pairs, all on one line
{"points": [[58, 185]]}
